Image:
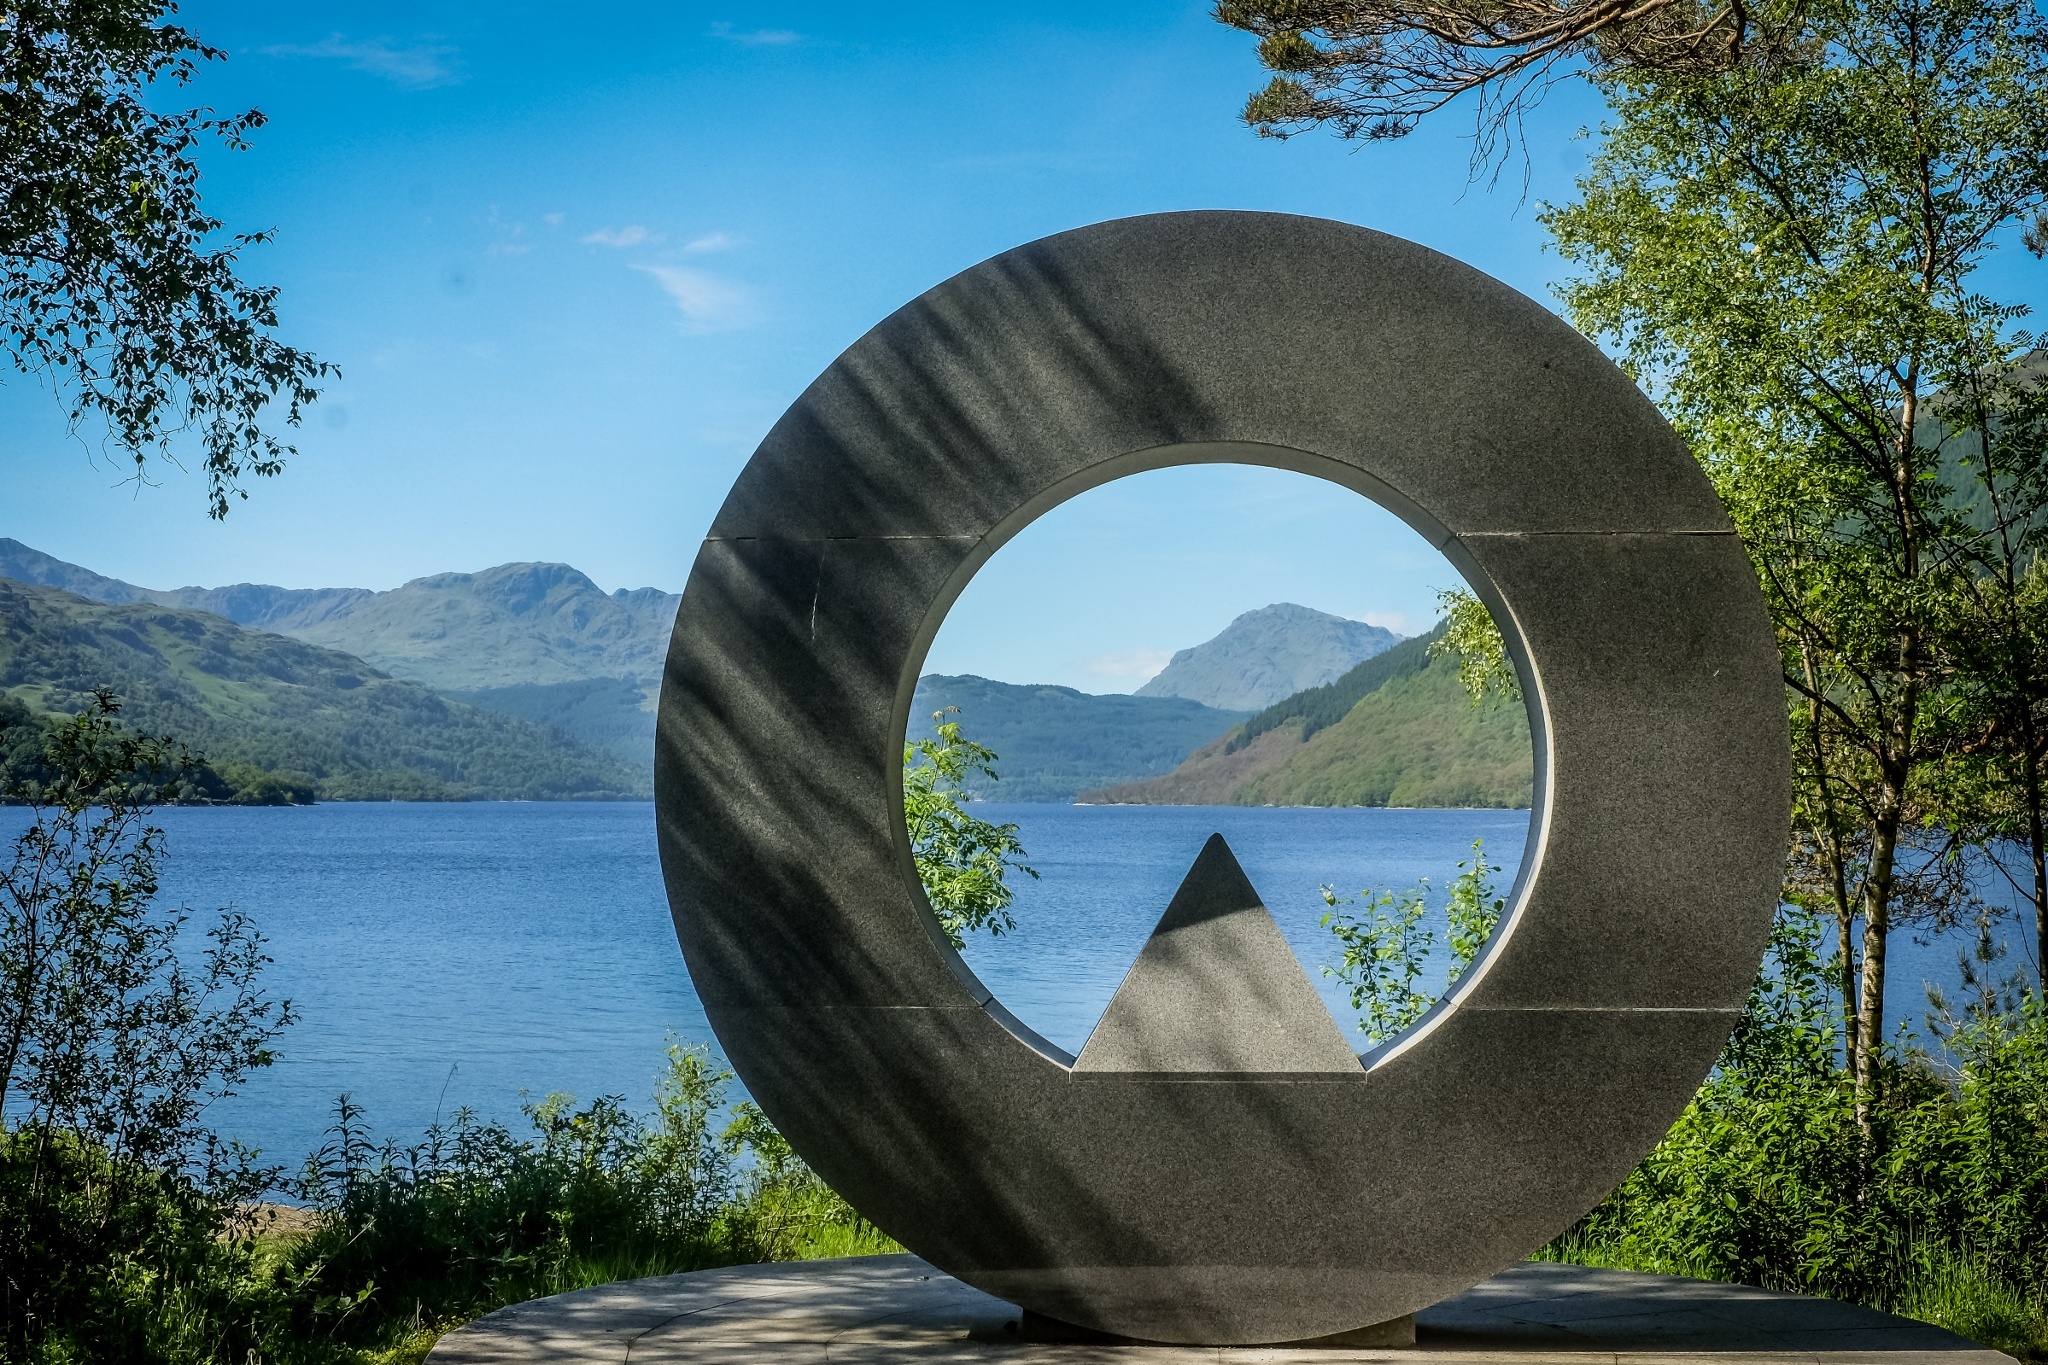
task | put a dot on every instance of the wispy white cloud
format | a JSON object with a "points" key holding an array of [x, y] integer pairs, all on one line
{"points": [[1400, 622], [712, 241], [1133, 666], [420, 65], [631, 235], [510, 236], [759, 37], [707, 303], [553, 219]]}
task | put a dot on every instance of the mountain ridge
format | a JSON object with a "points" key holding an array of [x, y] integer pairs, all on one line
{"points": [[521, 623], [279, 706], [1407, 735], [1053, 742], [1266, 655]]}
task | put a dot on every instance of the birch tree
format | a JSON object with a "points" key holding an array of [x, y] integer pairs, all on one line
{"points": [[1785, 256]]}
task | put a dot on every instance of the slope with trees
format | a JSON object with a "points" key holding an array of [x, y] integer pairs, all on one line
{"points": [[1398, 730], [270, 704], [1055, 742]]}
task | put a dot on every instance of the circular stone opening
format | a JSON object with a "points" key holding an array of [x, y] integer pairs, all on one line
{"points": [[1218, 648]]}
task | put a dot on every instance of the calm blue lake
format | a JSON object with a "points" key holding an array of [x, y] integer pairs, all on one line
{"points": [[449, 955]]}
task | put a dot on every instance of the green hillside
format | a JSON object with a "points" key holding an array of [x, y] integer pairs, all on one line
{"points": [[1417, 741], [1412, 738], [1318, 708], [1054, 742], [270, 703], [513, 625], [612, 714], [502, 627]]}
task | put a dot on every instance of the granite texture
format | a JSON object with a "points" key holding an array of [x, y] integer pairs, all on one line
{"points": [[1262, 1202], [879, 1310], [1216, 990]]}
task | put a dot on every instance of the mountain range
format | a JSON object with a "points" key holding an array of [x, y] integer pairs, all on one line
{"points": [[514, 625], [528, 680], [1055, 742], [536, 642], [1397, 730], [280, 719], [1266, 655]]}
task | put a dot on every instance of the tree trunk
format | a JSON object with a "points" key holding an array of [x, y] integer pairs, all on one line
{"points": [[1845, 924], [2037, 848], [1838, 871], [1877, 897]]}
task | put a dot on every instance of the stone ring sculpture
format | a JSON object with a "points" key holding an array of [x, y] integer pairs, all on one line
{"points": [[1248, 1181]]}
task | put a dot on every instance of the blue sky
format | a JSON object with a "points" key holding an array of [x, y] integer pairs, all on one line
{"points": [[574, 262]]}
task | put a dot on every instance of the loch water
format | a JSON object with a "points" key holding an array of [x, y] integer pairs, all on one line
{"points": [[478, 955]]}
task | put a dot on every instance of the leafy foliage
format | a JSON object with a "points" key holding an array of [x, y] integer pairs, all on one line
{"points": [[1997, 632], [108, 1260], [1472, 641], [114, 282], [474, 1217], [1785, 255], [25, 769], [1375, 68], [1385, 949], [1767, 1179], [962, 861], [117, 1203]]}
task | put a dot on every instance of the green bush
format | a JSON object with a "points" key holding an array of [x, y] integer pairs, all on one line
{"points": [[1929, 1197], [115, 1261], [122, 1228], [1933, 1202], [1385, 948], [475, 1217]]}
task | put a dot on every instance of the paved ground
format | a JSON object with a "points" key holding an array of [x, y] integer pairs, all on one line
{"points": [[882, 1310]]}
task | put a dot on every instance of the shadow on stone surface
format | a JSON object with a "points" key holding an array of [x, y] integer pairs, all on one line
{"points": [[873, 1309]]}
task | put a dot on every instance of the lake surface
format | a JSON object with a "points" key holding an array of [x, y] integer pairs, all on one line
{"points": [[442, 955]]}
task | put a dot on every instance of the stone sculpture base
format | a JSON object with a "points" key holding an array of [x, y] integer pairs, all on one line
{"points": [[874, 1309]]}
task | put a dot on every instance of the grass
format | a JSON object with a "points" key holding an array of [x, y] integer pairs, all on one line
{"points": [[815, 1225], [1937, 1286], [1960, 1294]]}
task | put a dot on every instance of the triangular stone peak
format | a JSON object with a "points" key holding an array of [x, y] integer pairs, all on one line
{"points": [[1216, 990]]}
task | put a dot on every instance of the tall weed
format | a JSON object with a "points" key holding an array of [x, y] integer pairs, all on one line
{"points": [[474, 1216]]}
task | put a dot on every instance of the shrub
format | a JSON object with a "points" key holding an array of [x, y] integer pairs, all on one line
{"points": [[1935, 1207], [121, 1236], [475, 1217]]}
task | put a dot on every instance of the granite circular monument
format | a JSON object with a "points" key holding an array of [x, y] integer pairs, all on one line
{"points": [[1216, 1166]]}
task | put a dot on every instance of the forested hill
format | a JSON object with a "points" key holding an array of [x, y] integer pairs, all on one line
{"points": [[537, 642], [259, 705], [513, 625], [1399, 730], [1054, 742]]}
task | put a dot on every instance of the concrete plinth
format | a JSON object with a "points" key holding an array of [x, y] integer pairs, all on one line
{"points": [[875, 1309]]}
